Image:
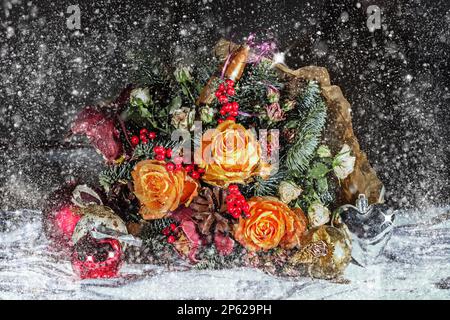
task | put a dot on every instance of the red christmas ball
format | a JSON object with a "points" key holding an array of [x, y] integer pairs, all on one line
{"points": [[59, 216], [65, 220], [94, 258]]}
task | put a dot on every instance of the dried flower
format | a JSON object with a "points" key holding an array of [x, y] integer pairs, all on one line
{"points": [[271, 224], [207, 114], [343, 163], [101, 131], [140, 96], [318, 214], [158, 190], [288, 191], [323, 151], [273, 95], [229, 154], [183, 74], [274, 112], [288, 105], [183, 118]]}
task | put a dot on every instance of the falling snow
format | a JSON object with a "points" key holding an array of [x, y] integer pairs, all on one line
{"points": [[396, 78]]}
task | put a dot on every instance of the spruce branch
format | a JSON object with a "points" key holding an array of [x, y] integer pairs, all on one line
{"points": [[314, 110]]}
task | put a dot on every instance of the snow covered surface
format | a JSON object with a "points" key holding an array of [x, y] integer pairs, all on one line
{"points": [[415, 265]]}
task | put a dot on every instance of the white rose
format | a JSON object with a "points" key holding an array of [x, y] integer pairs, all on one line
{"points": [[142, 94], [318, 214], [343, 163], [288, 191]]}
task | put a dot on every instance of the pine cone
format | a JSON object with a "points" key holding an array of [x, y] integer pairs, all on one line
{"points": [[209, 208]]}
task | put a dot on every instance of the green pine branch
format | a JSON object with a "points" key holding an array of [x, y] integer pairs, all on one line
{"points": [[313, 109]]}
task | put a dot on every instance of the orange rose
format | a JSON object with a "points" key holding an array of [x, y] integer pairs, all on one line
{"points": [[229, 154], [190, 191], [272, 223], [158, 190]]}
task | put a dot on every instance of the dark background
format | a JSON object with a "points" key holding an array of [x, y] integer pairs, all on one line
{"points": [[397, 79]]}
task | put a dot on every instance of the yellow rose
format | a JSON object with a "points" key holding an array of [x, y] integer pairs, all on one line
{"points": [[229, 154], [272, 223], [158, 190]]}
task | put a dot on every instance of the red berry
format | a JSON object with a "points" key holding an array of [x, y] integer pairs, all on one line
{"points": [[231, 200], [230, 118], [134, 140], [223, 99], [168, 153], [171, 239], [189, 168], [221, 87], [170, 166], [245, 207], [232, 210], [236, 214], [234, 189], [227, 107], [160, 157], [218, 94], [152, 135], [201, 170], [178, 167], [144, 139], [234, 113], [173, 226], [143, 132], [166, 231], [234, 106], [195, 175], [229, 82], [159, 150], [231, 91], [220, 121], [223, 111]]}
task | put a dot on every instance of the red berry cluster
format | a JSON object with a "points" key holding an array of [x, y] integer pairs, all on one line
{"points": [[171, 232], [229, 109], [194, 171], [162, 154], [144, 135], [236, 203]]}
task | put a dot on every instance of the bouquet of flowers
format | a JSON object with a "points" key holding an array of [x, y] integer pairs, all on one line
{"points": [[237, 162]]}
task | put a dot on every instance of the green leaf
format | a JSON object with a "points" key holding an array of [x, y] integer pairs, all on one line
{"points": [[318, 171], [175, 104], [322, 185]]}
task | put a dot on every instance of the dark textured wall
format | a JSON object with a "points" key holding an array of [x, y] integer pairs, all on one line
{"points": [[397, 79]]}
